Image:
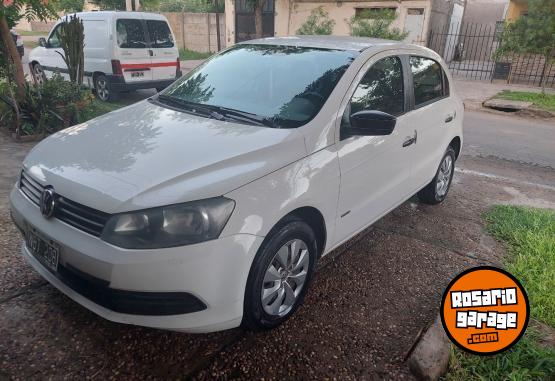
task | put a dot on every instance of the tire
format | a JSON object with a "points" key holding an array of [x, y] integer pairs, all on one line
{"points": [[272, 294], [102, 89], [38, 74], [436, 191]]}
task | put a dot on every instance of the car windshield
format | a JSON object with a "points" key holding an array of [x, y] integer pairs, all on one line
{"points": [[282, 86]]}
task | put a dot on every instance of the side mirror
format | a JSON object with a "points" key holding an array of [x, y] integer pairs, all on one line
{"points": [[42, 42], [371, 123]]}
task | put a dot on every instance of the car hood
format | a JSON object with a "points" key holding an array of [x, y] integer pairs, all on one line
{"points": [[145, 155]]}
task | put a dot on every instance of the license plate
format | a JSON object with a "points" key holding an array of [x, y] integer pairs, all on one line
{"points": [[46, 251]]}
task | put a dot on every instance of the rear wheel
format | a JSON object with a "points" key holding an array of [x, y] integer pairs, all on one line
{"points": [[280, 276], [38, 74], [102, 89], [436, 191]]}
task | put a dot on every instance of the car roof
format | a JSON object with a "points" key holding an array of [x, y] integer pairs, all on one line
{"points": [[119, 14], [331, 42]]}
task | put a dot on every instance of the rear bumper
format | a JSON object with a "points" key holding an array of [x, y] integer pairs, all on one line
{"points": [[117, 83]]}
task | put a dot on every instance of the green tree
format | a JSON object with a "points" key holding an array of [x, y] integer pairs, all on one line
{"points": [[12, 11], [531, 33], [376, 23], [70, 6], [72, 41], [317, 23]]}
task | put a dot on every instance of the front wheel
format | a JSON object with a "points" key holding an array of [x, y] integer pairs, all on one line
{"points": [[436, 191], [38, 74], [279, 276]]}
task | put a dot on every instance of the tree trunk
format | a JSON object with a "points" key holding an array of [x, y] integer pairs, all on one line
{"points": [[258, 5], [14, 55]]}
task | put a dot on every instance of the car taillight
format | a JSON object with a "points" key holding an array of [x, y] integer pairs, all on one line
{"points": [[116, 67]]}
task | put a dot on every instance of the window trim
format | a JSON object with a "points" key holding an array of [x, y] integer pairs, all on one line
{"points": [[445, 94]]}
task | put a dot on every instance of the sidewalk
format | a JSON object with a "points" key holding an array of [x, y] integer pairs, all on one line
{"points": [[474, 93]]}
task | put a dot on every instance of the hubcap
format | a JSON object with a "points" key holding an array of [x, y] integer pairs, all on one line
{"points": [[102, 89], [39, 74], [444, 176], [285, 277]]}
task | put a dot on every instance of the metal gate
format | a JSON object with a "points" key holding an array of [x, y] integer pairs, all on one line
{"points": [[244, 20], [469, 51]]}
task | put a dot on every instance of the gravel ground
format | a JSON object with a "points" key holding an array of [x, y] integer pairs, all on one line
{"points": [[367, 304]]}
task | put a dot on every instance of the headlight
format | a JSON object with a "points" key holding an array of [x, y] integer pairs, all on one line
{"points": [[169, 226]]}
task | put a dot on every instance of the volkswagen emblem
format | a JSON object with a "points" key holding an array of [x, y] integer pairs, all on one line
{"points": [[47, 202]]}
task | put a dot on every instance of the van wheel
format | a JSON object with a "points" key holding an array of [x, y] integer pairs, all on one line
{"points": [[436, 191], [102, 89], [279, 276], [38, 74]]}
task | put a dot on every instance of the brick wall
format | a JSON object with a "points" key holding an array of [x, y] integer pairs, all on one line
{"points": [[197, 31]]}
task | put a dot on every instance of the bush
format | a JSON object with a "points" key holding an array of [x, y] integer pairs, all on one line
{"points": [[47, 108], [317, 23], [376, 23], [194, 6]]}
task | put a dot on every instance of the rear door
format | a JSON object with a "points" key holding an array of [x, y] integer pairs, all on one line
{"points": [[434, 112], [163, 50], [132, 50]]}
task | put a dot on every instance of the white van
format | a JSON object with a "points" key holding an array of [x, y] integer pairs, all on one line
{"points": [[123, 51]]}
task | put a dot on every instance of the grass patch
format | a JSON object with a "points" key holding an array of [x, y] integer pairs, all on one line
{"points": [[186, 54], [526, 360], [530, 238], [543, 101], [98, 108], [31, 33]]}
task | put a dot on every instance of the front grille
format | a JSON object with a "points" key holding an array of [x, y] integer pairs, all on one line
{"points": [[72, 213]]}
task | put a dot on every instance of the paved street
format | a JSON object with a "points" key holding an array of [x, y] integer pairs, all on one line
{"points": [[523, 140], [367, 304]]}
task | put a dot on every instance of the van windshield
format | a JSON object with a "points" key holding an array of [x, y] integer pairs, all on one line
{"points": [[284, 86]]}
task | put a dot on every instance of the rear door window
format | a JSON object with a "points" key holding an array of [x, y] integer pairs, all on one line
{"points": [[159, 34], [428, 80], [130, 34]]}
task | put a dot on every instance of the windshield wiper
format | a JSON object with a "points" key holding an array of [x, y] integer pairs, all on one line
{"points": [[216, 112], [247, 116], [195, 108]]}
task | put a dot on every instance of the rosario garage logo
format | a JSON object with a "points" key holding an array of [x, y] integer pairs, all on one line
{"points": [[485, 310]]}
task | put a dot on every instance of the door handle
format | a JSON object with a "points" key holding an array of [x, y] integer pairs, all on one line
{"points": [[150, 52], [449, 118], [410, 140]]}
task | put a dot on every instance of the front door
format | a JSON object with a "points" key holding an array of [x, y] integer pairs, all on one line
{"points": [[132, 50], [375, 170], [244, 20], [164, 52], [52, 61]]}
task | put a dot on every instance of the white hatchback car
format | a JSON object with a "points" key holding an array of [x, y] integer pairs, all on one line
{"points": [[207, 206]]}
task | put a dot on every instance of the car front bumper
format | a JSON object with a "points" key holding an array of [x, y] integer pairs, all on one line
{"points": [[152, 288]]}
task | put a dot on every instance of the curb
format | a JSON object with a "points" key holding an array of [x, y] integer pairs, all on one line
{"points": [[430, 358]]}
